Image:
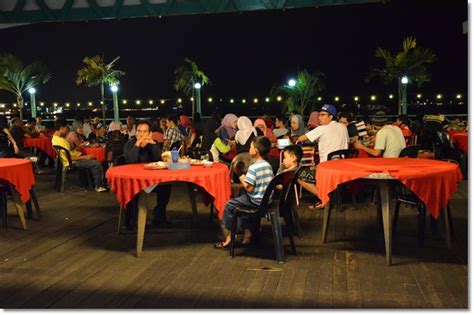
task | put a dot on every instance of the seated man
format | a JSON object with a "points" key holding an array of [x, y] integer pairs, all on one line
{"points": [[172, 133], [83, 161], [143, 149], [7, 151], [389, 139], [18, 133], [30, 128]]}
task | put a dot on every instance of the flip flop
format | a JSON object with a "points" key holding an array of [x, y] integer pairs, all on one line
{"points": [[317, 206], [220, 245]]}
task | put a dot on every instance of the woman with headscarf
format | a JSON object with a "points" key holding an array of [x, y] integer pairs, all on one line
{"points": [[221, 147], [187, 129], [262, 126], [296, 127], [245, 134], [75, 137], [313, 120]]}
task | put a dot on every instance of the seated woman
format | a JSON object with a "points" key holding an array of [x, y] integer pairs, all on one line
{"points": [[313, 120], [296, 128], [187, 129], [221, 147], [75, 137], [98, 134], [245, 134], [262, 126], [156, 132]]}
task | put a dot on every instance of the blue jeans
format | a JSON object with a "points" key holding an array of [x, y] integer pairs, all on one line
{"points": [[96, 170], [244, 221]]}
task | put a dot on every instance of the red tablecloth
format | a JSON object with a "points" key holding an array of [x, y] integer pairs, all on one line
{"points": [[274, 153], [129, 180], [98, 153], [19, 173], [451, 133], [432, 181], [43, 143], [460, 139]]}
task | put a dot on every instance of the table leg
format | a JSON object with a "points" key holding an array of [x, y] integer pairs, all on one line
{"points": [[447, 228], [19, 206], [142, 212], [327, 214], [192, 199], [387, 219]]}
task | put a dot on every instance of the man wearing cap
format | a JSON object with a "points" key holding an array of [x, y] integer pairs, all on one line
{"points": [[389, 139], [331, 136]]}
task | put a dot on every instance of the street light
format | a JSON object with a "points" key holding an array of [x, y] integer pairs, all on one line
{"points": [[198, 86], [114, 89], [32, 92], [404, 81], [292, 82]]}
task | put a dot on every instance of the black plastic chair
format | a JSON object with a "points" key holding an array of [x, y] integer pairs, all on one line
{"points": [[238, 166], [339, 155], [61, 171], [267, 209], [410, 151]]}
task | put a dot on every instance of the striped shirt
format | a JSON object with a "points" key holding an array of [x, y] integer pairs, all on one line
{"points": [[259, 175]]}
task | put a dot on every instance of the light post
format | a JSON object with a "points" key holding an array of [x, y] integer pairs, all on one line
{"points": [[197, 86], [32, 92], [114, 89], [291, 82], [404, 81]]}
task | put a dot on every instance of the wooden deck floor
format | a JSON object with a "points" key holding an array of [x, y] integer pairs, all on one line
{"points": [[75, 259]]}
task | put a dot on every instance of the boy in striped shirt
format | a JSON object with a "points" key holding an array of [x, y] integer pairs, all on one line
{"points": [[255, 182]]}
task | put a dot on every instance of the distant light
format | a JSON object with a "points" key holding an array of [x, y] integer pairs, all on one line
{"points": [[209, 99], [150, 102], [179, 100], [244, 100], [336, 99], [162, 101], [197, 85], [138, 102], [42, 104], [279, 98], [232, 100], [390, 96], [114, 88], [292, 82], [255, 100], [55, 104], [192, 99], [90, 104], [404, 79], [439, 96], [78, 104], [418, 95], [32, 90], [373, 98], [319, 98], [67, 104], [14, 105], [458, 96], [356, 98], [124, 101], [267, 99], [101, 102]]}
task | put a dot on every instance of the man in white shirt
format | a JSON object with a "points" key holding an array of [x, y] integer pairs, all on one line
{"points": [[280, 129], [389, 139], [331, 136]]}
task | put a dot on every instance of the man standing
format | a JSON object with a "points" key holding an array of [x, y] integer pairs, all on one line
{"points": [[143, 149], [389, 139]]}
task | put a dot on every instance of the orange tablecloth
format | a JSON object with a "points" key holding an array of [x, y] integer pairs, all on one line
{"points": [[460, 139], [19, 173], [98, 153], [43, 143], [432, 181], [129, 180]]}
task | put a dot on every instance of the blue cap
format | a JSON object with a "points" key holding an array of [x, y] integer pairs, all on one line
{"points": [[330, 109]]}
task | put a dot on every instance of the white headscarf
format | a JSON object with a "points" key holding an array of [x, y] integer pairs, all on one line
{"points": [[115, 126], [245, 130]]}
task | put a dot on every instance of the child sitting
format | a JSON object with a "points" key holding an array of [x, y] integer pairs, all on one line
{"points": [[255, 182], [292, 156]]}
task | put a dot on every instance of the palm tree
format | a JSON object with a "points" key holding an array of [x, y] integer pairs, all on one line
{"points": [[98, 73], [411, 62], [303, 93], [186, 76], [17, 78]]}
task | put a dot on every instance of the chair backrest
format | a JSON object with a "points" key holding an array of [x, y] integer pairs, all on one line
{"points": [[59, 152], [120, 160], [285, 179], [308, 155], [239, 165], [410, 151], [343, 154]]}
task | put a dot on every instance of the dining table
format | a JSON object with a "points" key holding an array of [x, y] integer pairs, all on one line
{"points": [[128, 181], [18, 175], [433, 181], [43, 143], [98, 152], [460, 140]]}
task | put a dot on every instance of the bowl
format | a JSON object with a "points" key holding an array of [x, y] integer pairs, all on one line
{"points": [[207, 163]]}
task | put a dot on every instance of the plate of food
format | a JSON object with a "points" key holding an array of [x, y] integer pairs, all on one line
{"points": [[196, 162], [156, 165]]}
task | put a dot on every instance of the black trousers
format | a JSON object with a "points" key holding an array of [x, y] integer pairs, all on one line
{"points": [[163, 193]]}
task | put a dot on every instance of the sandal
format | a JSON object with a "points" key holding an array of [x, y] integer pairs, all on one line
{"points": [[317, 206], [220, 245]]}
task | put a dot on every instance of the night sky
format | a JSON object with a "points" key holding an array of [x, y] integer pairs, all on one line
{"points": [[246, 54]]}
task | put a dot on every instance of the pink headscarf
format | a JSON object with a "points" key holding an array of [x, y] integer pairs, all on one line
{"points": [[227, 124], [267, 132], [313, 120]]}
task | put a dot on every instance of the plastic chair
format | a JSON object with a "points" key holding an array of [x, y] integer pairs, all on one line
{"points": [[267, 209], [339, 155], [410, 151], [238, 166], [61, 171]]}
